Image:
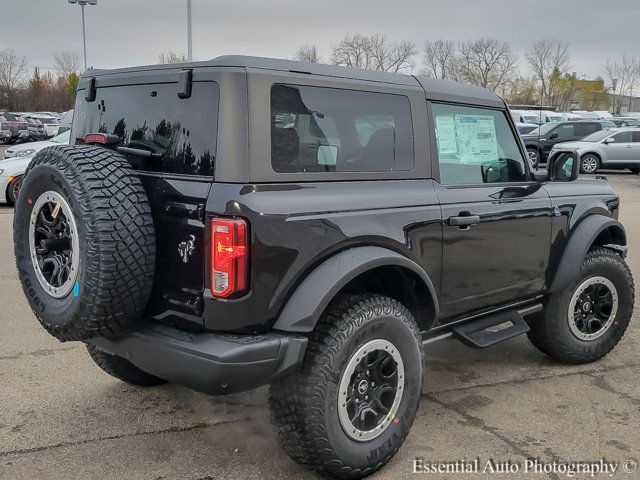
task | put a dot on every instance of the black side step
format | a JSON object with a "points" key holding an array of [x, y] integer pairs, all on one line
{"points": [[490, 330]]}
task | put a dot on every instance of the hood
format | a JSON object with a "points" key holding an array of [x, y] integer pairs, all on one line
{"points": [[574, 145], [15, 166], [37, 146]]}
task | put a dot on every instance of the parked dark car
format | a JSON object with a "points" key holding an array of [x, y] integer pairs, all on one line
{"points": [[244, 221], [539, 142], [17, 126], [525, 128], [35, 128]]}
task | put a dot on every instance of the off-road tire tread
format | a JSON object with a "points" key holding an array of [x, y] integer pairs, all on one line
{"points": [[296, 402], [544, 333], [115, 211]]}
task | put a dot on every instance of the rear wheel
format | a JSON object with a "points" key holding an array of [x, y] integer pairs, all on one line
{"points": [[122, 369], [586, 320], [589, 164], [349, 408]]}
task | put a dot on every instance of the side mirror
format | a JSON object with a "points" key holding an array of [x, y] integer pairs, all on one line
{"points": [[563, 166], [553, 136], [609, 140]]}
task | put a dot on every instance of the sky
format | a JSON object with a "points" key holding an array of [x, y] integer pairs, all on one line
{"points": [[134, 32]]}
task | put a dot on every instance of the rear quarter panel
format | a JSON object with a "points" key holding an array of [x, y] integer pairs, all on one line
{"points": [[295, 227]]}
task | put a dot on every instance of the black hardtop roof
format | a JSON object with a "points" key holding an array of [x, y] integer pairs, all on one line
{"points": [[436, 89]]}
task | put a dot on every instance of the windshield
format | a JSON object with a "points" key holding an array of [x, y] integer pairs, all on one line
{"points": [[543, 129], [47, 120], [531, 118], [62, 138], [596, 136]]}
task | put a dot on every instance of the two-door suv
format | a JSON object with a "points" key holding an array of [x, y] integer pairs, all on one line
{"points": [[240, 222]]}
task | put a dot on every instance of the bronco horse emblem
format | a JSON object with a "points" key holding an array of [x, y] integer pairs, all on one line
{"points": [[185, 249]]}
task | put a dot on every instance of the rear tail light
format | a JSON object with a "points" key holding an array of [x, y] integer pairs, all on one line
{"points": [[101, 138], [229, 256]]}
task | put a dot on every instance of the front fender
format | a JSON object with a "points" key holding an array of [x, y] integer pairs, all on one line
{"points": [[311, 298], [579, 244]]}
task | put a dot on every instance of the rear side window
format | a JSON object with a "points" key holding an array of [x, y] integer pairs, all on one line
{"points": [[152, 118], [584, 129], [316, 129], [475, 146], [622, 137], [565, 132]]}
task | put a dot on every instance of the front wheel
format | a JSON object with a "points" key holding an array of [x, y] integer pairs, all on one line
{"points": [[586, 320], [349, 408], [12, 190], [534, 156], [589, 164]]}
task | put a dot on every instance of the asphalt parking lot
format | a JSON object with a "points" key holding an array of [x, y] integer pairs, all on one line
{"points": [[62, 417]]}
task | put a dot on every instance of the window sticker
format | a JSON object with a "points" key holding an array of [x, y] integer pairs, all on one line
{"points": [[446, 135], [472, 138]]}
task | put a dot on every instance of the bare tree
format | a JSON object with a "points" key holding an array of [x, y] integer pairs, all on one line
{"points": [[486, 62], [439, 58], [172, 57], [626, 72], [12, 69], [521, 91], [374, 52], [308, 53], [546, 57], [67, 63]]}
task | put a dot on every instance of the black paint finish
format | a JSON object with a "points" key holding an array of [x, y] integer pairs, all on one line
{"points": [[483, 247]]}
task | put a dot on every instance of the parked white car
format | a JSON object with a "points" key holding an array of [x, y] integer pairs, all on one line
{"points": [[15, 162], [524, 116]]}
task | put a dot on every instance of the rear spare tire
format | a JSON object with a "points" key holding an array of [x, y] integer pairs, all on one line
{"points": [[84, 242]]}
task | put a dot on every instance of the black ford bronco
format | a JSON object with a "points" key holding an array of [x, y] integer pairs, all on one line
{"points": [[240, 222]]}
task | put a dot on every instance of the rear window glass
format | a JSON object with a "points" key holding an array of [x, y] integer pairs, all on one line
{"points": [[315, 129], [154, 119]]}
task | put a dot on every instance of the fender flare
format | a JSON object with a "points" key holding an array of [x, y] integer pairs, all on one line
{"points": [[312, 296], [577, 247]]}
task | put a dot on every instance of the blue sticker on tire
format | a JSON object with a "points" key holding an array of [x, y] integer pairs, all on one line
{"points": [[76, 289]]}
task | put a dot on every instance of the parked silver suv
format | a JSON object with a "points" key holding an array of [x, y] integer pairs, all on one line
{"points": [[613, 148]]}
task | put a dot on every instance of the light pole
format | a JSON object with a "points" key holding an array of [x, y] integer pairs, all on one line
{"points": [[189, 40], [82, 3]]}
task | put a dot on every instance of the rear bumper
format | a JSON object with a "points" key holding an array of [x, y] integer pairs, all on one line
{"points": [[212, 363]]}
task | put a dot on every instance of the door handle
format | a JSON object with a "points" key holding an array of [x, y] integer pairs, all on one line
{"points": [[464, 221]]}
